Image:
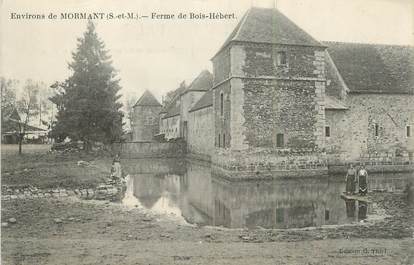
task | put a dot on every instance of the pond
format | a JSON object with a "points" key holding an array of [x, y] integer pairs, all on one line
{"points": [[189, 190]]}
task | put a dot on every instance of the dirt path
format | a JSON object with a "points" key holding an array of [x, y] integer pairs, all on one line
{"points": [[73, 231], [106, 251]]}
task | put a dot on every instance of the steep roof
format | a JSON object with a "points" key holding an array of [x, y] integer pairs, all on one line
{"points": [[14, 126], [147, 99], [203, 82], [267, 25], [173, 109], [205, 101], [10, 114], [374, 68]]}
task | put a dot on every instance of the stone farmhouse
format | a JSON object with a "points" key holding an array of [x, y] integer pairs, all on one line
{"points": [[278, 98]]}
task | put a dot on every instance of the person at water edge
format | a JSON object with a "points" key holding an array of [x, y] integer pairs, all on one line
{"points": [[116, 171], [350, 179], [363, 180]]}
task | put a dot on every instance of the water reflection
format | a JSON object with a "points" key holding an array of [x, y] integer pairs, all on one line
{"points": [[356, 210], [191, 191]]}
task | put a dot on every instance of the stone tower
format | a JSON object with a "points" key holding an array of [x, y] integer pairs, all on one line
{"points": [[145, 118], [269, 86]]}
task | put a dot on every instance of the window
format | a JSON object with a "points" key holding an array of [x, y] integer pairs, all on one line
{"points": [[219, 139], [280, 140], [221, 104], [149, 121], [376, 129], [326, 215], [280, 215], [224, 140], [281, 58], [408, 131], [328, 131]]}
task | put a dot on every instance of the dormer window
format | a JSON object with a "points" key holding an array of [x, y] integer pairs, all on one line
{"points": [[281, 58]]}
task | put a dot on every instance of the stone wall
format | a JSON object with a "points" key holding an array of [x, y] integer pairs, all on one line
{"points": [[281, 106], [201, 131], [259, 60], [187, 102], [353, 134], [111, 190], [144, 122], [262, 163], [222, 120], [149, 149], [221, 66], [238, 137]]}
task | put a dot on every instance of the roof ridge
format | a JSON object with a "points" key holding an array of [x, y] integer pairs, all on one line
{"points": [[268, 25], [149, 97], [370, 44]]}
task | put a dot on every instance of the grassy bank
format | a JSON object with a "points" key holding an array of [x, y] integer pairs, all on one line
{"points": [[38, 167]]}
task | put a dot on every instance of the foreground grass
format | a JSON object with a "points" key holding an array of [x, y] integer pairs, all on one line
{"points": [[40, 168]]}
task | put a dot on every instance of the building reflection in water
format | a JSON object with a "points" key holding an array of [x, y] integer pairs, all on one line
{"points": [[193, 192], [356, 210]]}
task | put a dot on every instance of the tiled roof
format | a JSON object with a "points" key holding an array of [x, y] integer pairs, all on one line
{"points": [[205, 101], [374, 68], [203, 82], [332, 103], [14, 126], [173, 109], [147, 99], [266, 25]]}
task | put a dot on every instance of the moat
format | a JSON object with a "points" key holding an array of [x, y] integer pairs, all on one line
{"points": [[189, 191]]}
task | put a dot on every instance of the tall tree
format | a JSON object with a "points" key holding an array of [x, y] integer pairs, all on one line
{"points": [[89, 102]]}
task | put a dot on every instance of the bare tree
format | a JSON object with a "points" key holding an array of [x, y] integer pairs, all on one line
{"points": [[28, 106], [8, 93], [129, 106]]}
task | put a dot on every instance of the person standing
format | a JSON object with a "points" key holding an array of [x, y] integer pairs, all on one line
{"points": [[363, 180], [350, 179], [116, 171]]}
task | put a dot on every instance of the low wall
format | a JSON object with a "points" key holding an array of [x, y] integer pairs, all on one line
{"points": [[374, 164], [244, 165], [150, 149], [196, 156], [268, 174], [111, 190]]}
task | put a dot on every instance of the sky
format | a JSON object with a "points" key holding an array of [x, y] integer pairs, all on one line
{"points": [[158, 54]]}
